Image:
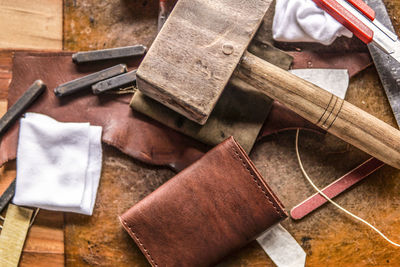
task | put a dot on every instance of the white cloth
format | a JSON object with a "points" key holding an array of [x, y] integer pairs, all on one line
{"points": [[58, 164], [304, 21]]}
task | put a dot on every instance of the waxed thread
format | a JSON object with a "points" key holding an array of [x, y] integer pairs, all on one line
{"points": [[331, 201]]}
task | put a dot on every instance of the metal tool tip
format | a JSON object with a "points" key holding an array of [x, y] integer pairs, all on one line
{"points": [[74, 58], [57, 93], [39, 83], [96, 91]]}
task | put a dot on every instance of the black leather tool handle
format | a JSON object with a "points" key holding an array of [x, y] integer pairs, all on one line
{"points": [[22, 103], [6, 197]]}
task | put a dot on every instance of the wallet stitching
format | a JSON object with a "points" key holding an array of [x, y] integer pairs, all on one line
{"points": [[140, 242], [244, 163]]}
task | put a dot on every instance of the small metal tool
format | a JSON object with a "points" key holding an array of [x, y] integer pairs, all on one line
{"points": [[115, 82], [388, 68], [112, 53], [360, 18], [6, 197], [86, 81], [23, 102]]}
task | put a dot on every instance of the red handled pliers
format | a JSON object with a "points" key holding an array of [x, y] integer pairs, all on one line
{"points": [[359, 18]]}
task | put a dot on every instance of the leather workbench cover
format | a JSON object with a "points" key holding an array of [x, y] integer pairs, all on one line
{"points": [[213, 207], [131, 132]]}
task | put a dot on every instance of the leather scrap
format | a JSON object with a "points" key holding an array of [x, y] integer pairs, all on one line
{"points": [[12, 237], [132, 133], [212, 208], [282, 119], [239, 113], [273, 55], [354, 62]]}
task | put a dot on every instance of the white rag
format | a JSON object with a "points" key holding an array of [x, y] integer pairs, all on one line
{"points": [[304, 21], [58, 164]]}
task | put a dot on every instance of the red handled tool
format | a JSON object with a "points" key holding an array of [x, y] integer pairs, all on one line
{"points": [[359, 18]]}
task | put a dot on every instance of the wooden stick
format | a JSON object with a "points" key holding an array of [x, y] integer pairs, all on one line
{"points": [[320, 107]]}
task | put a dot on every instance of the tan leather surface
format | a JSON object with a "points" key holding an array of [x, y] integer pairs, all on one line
{"points": [[213, 207], [130, 132]]}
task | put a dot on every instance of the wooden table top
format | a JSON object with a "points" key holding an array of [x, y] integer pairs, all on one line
{"points": [[329, 237]]}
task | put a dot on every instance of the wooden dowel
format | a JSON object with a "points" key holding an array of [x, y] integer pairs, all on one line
{"points": [[320, 107]]}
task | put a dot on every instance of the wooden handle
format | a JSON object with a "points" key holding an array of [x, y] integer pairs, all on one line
{"points": [[331, 113]]}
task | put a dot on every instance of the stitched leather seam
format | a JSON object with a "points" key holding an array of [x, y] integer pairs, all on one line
{"points": [[244, 163], [140, 242]]}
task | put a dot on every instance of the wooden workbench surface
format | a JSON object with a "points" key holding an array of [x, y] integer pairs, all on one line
{"points": [[329, 237]]}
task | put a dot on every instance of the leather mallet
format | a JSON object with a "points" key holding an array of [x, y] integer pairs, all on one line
{"points": [[203, 45]]}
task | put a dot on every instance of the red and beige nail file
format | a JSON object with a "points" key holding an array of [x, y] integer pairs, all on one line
{"points": [[360, 19], [337, 187], [326, 79]]}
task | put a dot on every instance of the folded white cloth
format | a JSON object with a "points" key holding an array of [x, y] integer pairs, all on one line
{"points": [[304, 21], [58, 164]]}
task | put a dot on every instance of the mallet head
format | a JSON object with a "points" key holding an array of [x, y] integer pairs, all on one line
{"points": [[196, 52]]}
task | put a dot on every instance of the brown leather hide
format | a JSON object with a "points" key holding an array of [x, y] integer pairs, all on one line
{"points": [[130, 132]]}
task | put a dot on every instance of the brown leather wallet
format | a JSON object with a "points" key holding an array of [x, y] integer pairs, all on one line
{"points": [[215, 206]]}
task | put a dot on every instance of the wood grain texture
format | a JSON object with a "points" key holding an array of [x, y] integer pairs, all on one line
{"points": [[320, 107], [5, 78], [45, 240], [7, 173], [195, 53], [3, 107], [31, 24]]}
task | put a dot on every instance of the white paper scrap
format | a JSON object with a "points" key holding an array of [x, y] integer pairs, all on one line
{"points": [[282, 248]]}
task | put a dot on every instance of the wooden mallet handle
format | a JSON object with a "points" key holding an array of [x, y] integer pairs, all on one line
{"points": [[320, 107]]}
